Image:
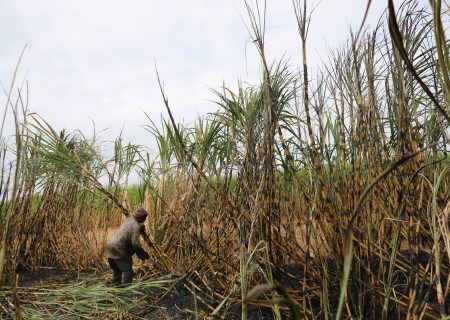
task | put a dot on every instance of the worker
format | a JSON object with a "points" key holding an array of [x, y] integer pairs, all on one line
{"points": [[122, 245]]}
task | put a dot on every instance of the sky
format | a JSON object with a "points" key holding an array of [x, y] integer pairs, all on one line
{"points": [[93, 61]]}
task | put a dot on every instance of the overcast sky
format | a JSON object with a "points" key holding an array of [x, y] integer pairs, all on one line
{"points": [[94, 60]]}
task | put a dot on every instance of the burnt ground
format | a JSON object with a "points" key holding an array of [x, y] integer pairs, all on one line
{"points": [[180, 303], [49, 276]]}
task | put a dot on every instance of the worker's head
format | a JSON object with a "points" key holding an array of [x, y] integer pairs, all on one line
{"points": [[140, 215]]}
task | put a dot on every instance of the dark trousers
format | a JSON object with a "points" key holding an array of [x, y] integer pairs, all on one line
{"points": [[122, 271]]}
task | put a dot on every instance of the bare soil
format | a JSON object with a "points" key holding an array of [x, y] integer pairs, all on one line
{"points": [[179, 304], [49, 276]]}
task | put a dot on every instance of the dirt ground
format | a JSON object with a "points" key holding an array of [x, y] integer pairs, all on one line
{"points": [[49, 276], [179, 304]]}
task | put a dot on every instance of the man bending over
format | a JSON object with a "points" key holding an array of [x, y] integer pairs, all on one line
{"points": [[122, 245]]}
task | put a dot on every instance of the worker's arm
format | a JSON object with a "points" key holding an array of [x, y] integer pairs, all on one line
{"points": [[136, 242]]}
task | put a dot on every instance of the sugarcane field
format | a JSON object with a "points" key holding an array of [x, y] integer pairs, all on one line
{"points": [[241, 159]]}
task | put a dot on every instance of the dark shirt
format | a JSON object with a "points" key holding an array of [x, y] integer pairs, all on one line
{"points": [[125, 242]]}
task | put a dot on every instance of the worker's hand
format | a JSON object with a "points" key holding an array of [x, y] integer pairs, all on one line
{"points": [[145, 256]]}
